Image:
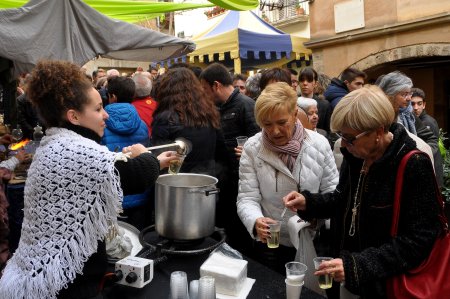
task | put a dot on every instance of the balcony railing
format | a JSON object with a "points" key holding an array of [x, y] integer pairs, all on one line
{"points": [[274, 11]]}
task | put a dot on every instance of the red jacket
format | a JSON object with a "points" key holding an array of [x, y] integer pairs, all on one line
{"points": [[145, 108]]}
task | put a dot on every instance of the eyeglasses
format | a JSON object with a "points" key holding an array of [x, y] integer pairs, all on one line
{"points": [[350, 140], [406, 94], [240, 87]]}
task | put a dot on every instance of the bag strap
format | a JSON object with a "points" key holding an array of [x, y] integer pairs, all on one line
{"points": [[398, 194]]}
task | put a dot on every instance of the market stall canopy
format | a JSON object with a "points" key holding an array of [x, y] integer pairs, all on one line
{"points": [[138, 11], [71, 30], [242, 40]]}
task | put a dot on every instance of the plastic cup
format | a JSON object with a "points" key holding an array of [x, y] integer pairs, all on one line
{"points": [[206, 288], [295, 272], [178, 285], [193, 289], [241, 140], [274, 240], [293, 290], [175, 165], [325, 281]]}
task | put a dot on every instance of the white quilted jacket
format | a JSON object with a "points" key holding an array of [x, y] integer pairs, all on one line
{"points": [[264, 179]]}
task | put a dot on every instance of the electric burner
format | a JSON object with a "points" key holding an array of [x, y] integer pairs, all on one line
{"points": [[158, 246]]}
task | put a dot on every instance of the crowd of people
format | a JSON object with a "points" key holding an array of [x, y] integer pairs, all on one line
{"points": [[326, 149]]}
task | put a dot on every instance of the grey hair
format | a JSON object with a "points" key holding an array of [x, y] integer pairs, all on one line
{"points": [[143, 85], [394, 83], [305, 103], [112, 73], [252, 86]]}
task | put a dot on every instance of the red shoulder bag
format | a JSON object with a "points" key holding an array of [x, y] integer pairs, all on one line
{"points": [[431, 280]]}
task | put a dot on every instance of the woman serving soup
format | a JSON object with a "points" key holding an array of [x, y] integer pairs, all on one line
{"points": [[73, 191]]}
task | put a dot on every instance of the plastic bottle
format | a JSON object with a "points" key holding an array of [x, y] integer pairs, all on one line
{"points": [[38, 134]]}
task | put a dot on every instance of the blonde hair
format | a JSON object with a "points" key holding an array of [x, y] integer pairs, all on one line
{"points": [[275, 97], [363, 109]]}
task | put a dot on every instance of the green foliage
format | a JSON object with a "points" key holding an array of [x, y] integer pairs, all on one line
{"points": [[446, 158]]}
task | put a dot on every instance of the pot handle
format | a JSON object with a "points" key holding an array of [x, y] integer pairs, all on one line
{"points": [[212, 191]]}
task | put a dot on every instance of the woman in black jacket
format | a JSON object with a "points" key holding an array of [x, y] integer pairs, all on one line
{"points": [[184, 110], [361, 207]]}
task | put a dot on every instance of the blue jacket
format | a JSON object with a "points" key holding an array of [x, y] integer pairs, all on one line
{"points": [[124, 127], [335, 91]]}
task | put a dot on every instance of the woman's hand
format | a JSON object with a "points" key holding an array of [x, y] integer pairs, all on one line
{"points": [[294, 201], [238, 151], [334, 267], [134, 150], [262, 229], [165, 158]]}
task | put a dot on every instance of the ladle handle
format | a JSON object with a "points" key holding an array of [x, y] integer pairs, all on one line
{"points": [[161, 146]]}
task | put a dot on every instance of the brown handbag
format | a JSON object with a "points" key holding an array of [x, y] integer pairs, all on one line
{"points": [[431, 279]]}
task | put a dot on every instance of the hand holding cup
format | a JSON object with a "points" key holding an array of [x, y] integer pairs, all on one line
{"points": [[262, 228], [240, 140], [165, 158]]}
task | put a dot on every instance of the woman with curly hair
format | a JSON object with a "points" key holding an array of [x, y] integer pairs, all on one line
{"points": [[186, 111], [73, 192]]}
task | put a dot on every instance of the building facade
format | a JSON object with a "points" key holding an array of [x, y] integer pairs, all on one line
{"points": [[380, 36]]}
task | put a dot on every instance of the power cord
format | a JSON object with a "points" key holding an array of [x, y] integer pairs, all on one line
{"points": [[110, 276]]}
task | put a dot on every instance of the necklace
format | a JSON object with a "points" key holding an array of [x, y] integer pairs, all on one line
{"points": [[356, 202]]}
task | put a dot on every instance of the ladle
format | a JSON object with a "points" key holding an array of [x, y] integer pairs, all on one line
{"points": [[184, 146]]}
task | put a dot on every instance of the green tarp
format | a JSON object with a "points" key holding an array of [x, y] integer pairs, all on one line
{"points": [[136, 11]]}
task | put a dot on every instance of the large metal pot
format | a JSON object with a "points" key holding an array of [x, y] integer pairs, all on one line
{"points": [[185, 206]]}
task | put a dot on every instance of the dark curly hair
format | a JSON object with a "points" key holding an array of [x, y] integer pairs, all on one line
{"points": [[55, 87], [181, 92]]}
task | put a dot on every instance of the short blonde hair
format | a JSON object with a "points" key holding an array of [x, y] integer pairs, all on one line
{"points": [[363, 109], [275, 97]]}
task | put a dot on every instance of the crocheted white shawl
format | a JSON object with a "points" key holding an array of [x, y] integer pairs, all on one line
{"points": [[71, 193]]}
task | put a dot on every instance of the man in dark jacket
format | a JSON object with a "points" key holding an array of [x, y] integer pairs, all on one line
{"points": [[418, 103], [236, 110], [236, 119], [27, 117], [349, 80]]}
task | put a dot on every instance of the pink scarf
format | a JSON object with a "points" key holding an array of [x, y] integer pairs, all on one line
{"points": [[288, 153]]}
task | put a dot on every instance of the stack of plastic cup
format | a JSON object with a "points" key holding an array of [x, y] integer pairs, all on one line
{"points": [[193, 289], [178, 285], [295, 274], [206, 288], [293, 290]]}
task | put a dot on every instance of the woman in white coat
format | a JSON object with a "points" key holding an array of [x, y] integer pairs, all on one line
{"points": [[281, 158]]}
